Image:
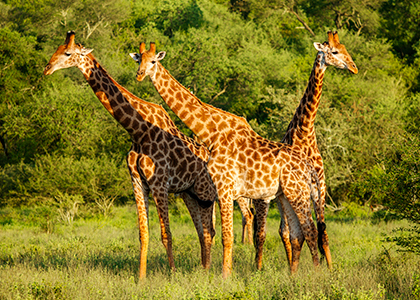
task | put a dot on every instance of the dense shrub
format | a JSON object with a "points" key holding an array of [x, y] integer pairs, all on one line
{"points": [[252, 58]]}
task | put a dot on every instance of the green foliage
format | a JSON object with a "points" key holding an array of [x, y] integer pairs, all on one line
{"points": [[252, 58], [19, 72], [407, 238], [51, 176], [399, 25], [178, 16], [18, 78], [66, 119], [350, 14], [395, 183]]}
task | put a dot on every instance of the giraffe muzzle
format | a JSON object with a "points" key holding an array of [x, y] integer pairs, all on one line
{"points": [[352, 67], [140, 75], [48, 70]]}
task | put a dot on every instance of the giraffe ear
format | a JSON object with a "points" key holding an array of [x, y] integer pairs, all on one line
{"points": [[85, 51], [160, 55], [319, 47], [136, 57]]}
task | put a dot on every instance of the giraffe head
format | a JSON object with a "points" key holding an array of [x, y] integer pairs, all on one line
{"points": [[147, 61], [335, 54], [66, 56]]}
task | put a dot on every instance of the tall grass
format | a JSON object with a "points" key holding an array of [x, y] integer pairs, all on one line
{"points": [[97, 258]]}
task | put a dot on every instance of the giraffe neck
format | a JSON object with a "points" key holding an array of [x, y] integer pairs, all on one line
{"points": [[208, 123], [111, 96], [134, 114], [301, 128]]}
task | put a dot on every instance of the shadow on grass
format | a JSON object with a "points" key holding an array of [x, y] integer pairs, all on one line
{"points": [[111, 261]]}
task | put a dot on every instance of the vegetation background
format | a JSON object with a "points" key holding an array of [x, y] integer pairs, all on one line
{"points": [[62, 156]]}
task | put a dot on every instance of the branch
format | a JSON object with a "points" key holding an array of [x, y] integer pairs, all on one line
{"points": [[91, 30], [303, 22], [222, 91]]}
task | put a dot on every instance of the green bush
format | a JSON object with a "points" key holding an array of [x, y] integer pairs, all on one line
{"points": [[395, 184], [53, 175], [250, 58]]}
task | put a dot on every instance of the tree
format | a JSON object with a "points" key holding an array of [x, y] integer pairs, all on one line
{"points": [[20, 74]]}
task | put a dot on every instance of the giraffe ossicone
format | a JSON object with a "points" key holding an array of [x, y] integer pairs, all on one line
{"points": [[301, 130], [244, 204], [243, 164], [161, 160]]}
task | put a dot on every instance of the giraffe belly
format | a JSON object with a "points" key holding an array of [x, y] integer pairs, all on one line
{"points": [[260, 190]]}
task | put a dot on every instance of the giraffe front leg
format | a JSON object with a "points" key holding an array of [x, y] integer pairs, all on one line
{"points": [[161, 199], [284, 230], [141, 194], [226, 214], [142, 213], [260, 224]]}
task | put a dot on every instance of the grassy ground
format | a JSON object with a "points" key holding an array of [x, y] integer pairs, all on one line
{"points": [[97, 258]]}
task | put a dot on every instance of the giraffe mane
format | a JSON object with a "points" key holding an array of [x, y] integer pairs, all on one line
{"points": [[123, 89], [157, 106], [210, 107]]}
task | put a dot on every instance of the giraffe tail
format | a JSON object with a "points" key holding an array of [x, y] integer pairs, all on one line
{"points": [[254, 226]]}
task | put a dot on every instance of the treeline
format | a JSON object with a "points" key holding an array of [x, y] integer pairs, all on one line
{"points": [[252, 58]]}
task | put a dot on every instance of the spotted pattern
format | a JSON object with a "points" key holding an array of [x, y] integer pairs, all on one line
{"points": [[242, 164], [301, 132], [161, 160]]}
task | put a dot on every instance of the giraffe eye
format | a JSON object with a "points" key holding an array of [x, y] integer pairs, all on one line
{"points": [[335, 52], [153, 61], [67, 54]]}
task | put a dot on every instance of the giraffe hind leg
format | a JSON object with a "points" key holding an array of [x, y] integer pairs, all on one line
{"points": [[307, 225], [203, 222], [260, 224], [299, 198], [247, 219], [310, 232], [291, 233], [323, 243], [161, 199]]}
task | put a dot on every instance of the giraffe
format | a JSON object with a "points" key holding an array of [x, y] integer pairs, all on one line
{"points": [[161, 160], [242, 164], [301, 129], [245, 205]]}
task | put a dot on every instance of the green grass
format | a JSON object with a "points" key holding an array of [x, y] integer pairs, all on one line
{"points": [[97, 258]]}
